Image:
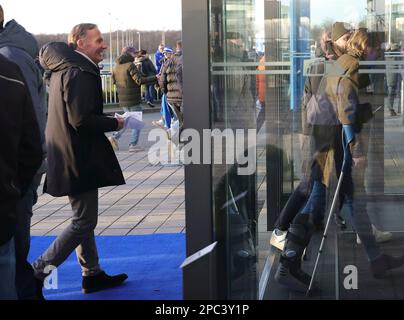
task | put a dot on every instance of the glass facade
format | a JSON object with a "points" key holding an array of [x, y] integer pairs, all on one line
{"points": [[263, 55]]}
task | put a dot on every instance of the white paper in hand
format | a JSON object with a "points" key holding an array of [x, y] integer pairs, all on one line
{"points": [[133, 120]]}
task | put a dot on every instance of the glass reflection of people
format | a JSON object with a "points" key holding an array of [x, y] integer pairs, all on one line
{"points": [[343, 93], [241, 89], [393, 77], [312, 191], [261, 85]]}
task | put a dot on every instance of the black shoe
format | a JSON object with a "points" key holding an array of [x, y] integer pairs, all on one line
{"points": [[384, 263], [340, 221], [39, 287], [102, 281], [289, 273], [151, 105], [393, 113]]}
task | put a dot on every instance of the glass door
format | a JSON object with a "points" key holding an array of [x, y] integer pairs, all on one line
{"points": [[263, 56]]}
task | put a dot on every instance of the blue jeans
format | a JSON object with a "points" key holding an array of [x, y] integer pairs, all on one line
{"points": [[134, 138], [392, 93], [316, 202], [150, 93], [355, 200], [7, 271]]}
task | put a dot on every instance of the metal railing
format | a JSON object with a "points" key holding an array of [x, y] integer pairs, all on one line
{"points": [[108, 88]]}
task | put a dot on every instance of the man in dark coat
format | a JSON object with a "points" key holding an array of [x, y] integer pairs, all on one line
{"points": [[80, 157], [20, 158]]}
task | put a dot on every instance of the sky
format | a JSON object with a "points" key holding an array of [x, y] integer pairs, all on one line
{"points": [[350, 11], [56, 16]]}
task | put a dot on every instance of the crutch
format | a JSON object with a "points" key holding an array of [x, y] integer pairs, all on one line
{"points": [[346, 164], [347, 138]]}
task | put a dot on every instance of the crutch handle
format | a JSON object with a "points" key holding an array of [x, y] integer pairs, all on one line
{"points": [[348, 135]]}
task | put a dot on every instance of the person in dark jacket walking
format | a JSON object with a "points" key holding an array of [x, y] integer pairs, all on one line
{"points": [[128, 80], [20, 47], [80, 157], [20, 158], [311, 191], [342, 91], [148, 70]]}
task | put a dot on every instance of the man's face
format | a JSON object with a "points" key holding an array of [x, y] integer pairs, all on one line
{"points": [[92, 45], [168, 55], [161, 49], [341, 43]]}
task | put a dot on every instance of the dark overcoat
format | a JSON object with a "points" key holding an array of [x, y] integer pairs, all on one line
{"points": [[80, 157]]}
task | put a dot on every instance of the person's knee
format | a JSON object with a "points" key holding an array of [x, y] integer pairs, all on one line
{"points": [[84, 226]]}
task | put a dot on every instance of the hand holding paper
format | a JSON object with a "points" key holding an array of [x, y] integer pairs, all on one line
{"points": [[133, 120]]}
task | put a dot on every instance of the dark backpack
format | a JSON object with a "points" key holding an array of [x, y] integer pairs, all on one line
{"points": [[320, 110]]}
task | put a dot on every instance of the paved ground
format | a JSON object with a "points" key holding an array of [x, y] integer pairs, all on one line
{"points": [[152, 201]]}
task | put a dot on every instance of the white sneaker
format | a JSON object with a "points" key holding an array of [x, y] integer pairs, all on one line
{"points": [[135, 148], [114, 143], [278, 238], [380, 236]]}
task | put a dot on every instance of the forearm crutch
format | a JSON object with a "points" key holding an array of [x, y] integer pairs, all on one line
{"points": [[347, 137]]}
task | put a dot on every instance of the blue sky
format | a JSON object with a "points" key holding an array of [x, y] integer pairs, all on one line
{"points": [[56, 16]]}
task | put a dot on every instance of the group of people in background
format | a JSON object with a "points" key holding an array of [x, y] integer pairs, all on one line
{"points": [[133, 71]]}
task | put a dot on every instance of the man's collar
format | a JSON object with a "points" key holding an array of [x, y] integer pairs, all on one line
{"points": [[86, 56]]}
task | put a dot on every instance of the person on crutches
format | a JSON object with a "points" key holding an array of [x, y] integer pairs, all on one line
{"points": [[343, 92]]}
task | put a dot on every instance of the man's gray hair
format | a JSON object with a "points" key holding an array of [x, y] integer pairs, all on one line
{"points": [[79, 32]]}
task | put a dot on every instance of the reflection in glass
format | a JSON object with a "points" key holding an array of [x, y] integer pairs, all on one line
{"points": [[268, 59]]}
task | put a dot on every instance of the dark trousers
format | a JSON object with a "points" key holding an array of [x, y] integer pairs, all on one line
{"points": [[25, 281], [79, 236]]}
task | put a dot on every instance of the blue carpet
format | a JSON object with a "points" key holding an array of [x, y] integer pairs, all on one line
{"points": [[151, 261]]}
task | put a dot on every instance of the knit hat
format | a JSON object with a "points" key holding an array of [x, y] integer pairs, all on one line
{"points": [[338, 30], [167, 50], [129, 50]]}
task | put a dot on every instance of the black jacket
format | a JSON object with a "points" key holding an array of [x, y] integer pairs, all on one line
{"points": [[80, 157], [21, 151], [147, 67], [129, 79]]}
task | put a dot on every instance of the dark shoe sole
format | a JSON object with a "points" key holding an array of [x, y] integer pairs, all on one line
{"points": [[87, 291], [108, 285]]}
